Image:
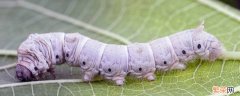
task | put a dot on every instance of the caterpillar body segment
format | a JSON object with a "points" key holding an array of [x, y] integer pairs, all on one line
{"points": [[57, 42], [141, 61], [90, 59], [114, 63], [164, 54], [183, 46], [56, 45], [73, 44]]}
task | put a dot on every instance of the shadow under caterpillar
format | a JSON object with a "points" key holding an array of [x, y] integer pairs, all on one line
{"points": [[39, 54]]}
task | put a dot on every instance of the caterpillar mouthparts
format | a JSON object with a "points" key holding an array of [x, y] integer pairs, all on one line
{"points": [[39, 54]]}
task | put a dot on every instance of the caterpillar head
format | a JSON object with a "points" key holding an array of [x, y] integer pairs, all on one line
{"points": [[23, 73], [31, 61], [26, 69], [206, 46]]}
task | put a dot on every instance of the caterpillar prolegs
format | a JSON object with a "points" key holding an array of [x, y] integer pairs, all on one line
{"points": [[39, 54]]}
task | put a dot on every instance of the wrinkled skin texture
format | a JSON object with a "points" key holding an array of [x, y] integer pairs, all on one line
{"points": [[29, 57], [56, 41], [37, 56]]}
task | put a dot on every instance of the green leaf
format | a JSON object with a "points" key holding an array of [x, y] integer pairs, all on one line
{"points": [[119, 21]]}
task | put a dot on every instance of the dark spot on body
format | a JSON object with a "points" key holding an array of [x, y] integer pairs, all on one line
{"points": [[199, 46], [165, 62], [57, 56], [99, 73], [140, 69], [109, 70], [35, 68], [84, 63], [183, 52], [67, 54]]}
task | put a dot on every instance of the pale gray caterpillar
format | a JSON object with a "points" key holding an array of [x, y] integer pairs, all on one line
{"points": [[41, 52]]}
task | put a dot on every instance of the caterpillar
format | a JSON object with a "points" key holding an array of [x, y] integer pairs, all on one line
{"points": [[39, 54]]}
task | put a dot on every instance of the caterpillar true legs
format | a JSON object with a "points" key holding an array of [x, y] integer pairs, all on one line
{"points": [[40, 53]]}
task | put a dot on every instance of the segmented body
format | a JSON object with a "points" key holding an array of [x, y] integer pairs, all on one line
{"points": [[41, 52]]}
